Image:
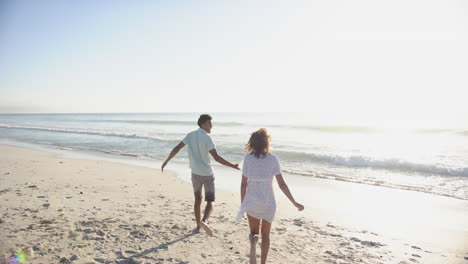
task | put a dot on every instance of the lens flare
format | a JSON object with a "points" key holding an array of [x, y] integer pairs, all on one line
{"points": [[19, 257]]}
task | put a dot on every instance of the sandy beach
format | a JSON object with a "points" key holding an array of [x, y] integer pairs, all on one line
{"points": [[63, 210], [109, 109]]}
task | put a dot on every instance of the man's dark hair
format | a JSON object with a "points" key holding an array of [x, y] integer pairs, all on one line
{"points": [[203, 118]]}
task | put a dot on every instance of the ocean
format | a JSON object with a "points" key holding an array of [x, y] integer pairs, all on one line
{"points": [[431, 160]]}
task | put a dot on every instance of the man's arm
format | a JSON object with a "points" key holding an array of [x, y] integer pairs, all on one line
{"points": [[219, 159], [174, 151]]}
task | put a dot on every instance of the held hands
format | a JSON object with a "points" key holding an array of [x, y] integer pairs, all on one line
{"points": [[299, 206]]}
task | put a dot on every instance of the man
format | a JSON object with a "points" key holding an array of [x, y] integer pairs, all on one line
{"points": [[199, 144]]}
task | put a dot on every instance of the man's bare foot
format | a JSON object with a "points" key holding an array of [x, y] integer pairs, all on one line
{"points": [[196, 230], [206, 228]]}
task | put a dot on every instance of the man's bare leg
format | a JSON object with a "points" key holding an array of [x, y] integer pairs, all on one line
{"points": [[197, 209], [208, 210], [206, 215]]}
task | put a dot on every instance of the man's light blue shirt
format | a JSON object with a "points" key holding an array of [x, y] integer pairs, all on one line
{"points": [[199, 144]]}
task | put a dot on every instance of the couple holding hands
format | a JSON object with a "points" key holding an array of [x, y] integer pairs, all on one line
{"points": [[259, 169]]}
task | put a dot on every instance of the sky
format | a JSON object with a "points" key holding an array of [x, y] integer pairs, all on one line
{"points": [[361, 57]]}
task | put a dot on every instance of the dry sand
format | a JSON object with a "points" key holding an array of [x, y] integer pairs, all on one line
{"points": [[62, 210]]}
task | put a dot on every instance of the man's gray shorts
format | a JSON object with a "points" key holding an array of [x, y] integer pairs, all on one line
{"points": [[207, 182]]}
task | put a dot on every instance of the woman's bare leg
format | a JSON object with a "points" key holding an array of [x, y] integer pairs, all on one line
{"points": [[266, 227], [254, 224]]}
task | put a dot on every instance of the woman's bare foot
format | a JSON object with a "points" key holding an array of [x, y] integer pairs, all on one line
{"points": [[253, 247], [206, 228]]}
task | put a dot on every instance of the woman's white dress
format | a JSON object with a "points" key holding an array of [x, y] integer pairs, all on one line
{"points": [[259, 200]]}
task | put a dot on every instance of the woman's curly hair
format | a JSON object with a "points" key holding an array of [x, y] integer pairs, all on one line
{"points": [[259, 143]]}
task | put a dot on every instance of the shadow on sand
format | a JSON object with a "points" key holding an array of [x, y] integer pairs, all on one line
{"points": [[156, 249]]}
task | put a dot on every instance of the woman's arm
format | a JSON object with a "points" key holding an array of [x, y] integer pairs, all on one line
{"points": [[284, 187], [243, 189]]}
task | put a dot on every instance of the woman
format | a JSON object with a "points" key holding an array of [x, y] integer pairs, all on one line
{"points": [[257, 197]]}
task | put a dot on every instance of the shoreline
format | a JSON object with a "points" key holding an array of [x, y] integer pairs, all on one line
{"points": [[181, 168], [330, 235]]}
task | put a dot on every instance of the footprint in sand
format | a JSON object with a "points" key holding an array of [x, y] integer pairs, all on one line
{"points": [[5, 190], [280, 229], [64, 260], [372, 244]]}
